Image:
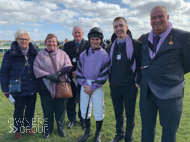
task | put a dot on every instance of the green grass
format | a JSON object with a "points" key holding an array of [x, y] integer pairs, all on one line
{"points": [[108, 129]]}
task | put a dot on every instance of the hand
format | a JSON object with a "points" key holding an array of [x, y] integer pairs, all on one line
{"points": [[50, 77], [137, 85], [7, 95], [87, 90], [74, 74], [54, 77]]}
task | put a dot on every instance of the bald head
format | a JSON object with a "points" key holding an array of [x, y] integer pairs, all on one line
{"points": [[160, 7]]}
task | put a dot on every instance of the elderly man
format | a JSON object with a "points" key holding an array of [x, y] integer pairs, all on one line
{"points": [[124, 78], [73, 49], [165, 60]]}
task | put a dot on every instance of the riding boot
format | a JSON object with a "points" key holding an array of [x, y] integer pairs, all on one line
{"points": [[87, 132], [98, 129]]}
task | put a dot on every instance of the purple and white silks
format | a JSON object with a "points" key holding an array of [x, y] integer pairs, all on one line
{"points": [[163, 36], [95, 66]]}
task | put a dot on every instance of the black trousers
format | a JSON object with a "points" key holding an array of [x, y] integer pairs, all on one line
{"points": [[71, 106], [21, 103], [124, 97], [50, 106], [170, 111]]}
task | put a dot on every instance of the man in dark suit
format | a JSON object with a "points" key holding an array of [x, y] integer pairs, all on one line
{"points": [[165, 60], [73, 49]]}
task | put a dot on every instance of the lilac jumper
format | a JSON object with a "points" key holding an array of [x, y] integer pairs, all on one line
{"points": [[95, 66]]}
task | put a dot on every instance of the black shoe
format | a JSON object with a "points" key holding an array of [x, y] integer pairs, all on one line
{"points": [[62, 133], [46, 135], [85, 136], [117, 138], [87, 132], [98, 129], [71, 124], [82, 124], [97, 137]]}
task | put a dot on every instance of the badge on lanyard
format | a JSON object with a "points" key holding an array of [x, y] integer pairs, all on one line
{"points": [[119, 56], [74, 60]]}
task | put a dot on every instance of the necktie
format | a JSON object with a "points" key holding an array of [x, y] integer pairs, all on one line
{"points": [[77, 46], [155, 43], [119, 45]]}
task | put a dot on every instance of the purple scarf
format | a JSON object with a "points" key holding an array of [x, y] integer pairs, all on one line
{"points": [[129, 52], [163, 37], [24, 51]]}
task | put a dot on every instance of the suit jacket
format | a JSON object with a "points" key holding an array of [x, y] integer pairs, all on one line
{"points": [[70, 49], [165, 72]]}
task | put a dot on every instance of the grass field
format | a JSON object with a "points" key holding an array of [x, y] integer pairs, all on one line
{"points": [[108, 130]]}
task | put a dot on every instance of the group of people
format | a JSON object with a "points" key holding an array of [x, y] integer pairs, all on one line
{"points": [[157, 64]]}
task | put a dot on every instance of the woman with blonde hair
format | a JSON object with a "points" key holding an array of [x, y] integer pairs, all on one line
{"points": [[17, 64]]}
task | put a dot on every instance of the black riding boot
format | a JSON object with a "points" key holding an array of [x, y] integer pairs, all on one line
{"points": [[87, 132], [98, 129]]}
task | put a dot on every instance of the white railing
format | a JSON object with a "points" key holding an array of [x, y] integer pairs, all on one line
{"points": [[4, 48]]}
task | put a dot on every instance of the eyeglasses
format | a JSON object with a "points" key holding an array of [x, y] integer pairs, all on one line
{"points": [[22, 39]]}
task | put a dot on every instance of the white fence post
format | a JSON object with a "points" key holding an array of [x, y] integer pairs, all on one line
{"points": [[4, 48]]}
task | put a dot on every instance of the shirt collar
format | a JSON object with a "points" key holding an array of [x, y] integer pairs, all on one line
{"points": [[78, 42], [159, 35], [124, 40]]}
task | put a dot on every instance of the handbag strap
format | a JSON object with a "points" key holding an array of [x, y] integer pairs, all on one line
{"points": [[26, 64], [52, 62]]}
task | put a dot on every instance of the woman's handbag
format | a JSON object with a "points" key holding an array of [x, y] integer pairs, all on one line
{"points": [[63, 88], [15, 86]]}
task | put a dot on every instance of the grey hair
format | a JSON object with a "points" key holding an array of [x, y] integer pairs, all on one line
{"points": [[159, 6], [77, 27], [20, 32]]}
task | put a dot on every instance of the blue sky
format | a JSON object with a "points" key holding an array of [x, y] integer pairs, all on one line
{"points": [[41, 17]]}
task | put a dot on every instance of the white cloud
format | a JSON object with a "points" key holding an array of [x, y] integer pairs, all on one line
{"points": [[34, 24], [35, 30], [8, 35], [60, 32], [6, 32], [3, 22], [88, 14], [16, 12]]}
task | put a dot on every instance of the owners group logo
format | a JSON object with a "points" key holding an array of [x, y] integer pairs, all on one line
{"points": [[37, 125]]}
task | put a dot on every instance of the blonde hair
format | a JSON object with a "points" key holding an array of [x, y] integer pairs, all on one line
{"points": [[20, 32]]}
